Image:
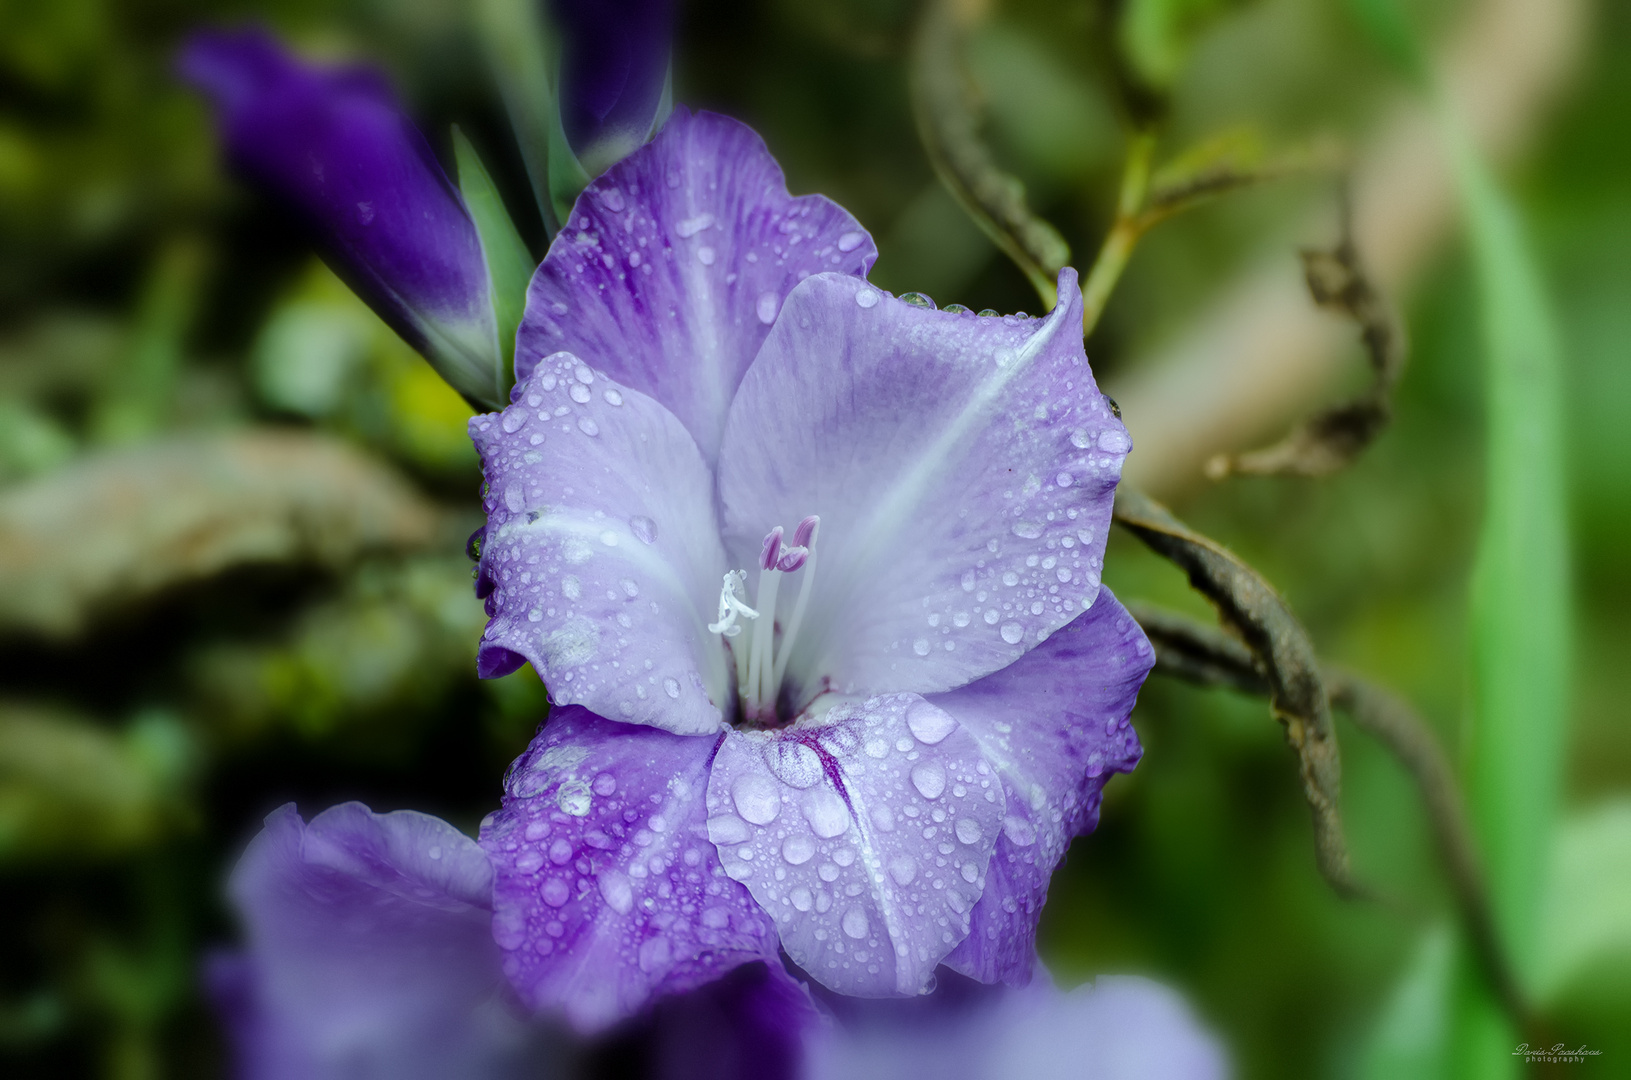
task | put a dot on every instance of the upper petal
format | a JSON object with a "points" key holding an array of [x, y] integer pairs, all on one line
{"points": [[608, 893], [332, 147], [963, 469], [866, 837], [675, 263], [1054, 725], [600, 544], [370, 952]]}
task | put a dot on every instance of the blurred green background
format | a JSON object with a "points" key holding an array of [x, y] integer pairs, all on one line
{"points": [[232, 504]]}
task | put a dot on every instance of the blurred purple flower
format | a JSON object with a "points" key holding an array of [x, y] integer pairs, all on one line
{"points": [[367, 956], [332, 147], [613, 82], [875, 760]]}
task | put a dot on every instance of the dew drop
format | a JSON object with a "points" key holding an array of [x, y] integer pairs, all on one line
{"points": [[855, 923], [605, 784], [921, 646], [693, 225], [617, 891], [560, 852], [1080, 439], [727, 829], [1012, 632], [644, 528], [671, 687], [903, 868], [1018, 830], [917, 299], [513, 419], [826, 813], [929, 779], [968, 830], [579, 393], [866, 298], [769, 304], [556, 892], [801, 898], [514, 498], [588, 426], [613, 397], [850, 241], [1064, 480], [756, 798], [1027, 530], [970, 872], [929, 723], [798, 849], [1114, 441], [583, 375], [574, 798]]}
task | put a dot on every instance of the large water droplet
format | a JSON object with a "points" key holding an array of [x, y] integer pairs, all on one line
{"points": [[671, 687], [644, 528], [693, 225], [930, 779], [769, 304], [867, 298], [574, 798], [850, 241], [556, 892], [612, 199], [579, 393], [588, 426], [1114, 441], [560, 852], [793, 763], [826, 813], [917, 299], [968, 830], [1081, 439], [1018, 830], [727, 829], [514, 498], [655, 954], [921, 646], [513, 419], [798, 849], [1027, 530], [757, 798], [613, 397], [801, 898], [928, 723], [617, 891], [903, 868], [1012, 632], [855, 924]]}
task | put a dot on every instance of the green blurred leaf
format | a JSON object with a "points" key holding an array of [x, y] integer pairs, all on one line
{"points": [[138, 397], [1585, 930], [1156, 35], [518, 51], [1409, 1041], [70, 787], [508, 262], [1390, 31], [1520, 611], [30, 441]]}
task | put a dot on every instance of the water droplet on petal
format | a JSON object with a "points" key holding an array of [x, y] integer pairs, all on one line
{"points": [[617, 891], [556, 892], [514, 498], [917, 299], [588, 426], [1080, 439], [574, 798], [826, 813], [579, 393], [671, 687], [793, 763], [613, 397], [903, 868], [855, 923], [929, 723], [1018, 830], [1027, 530], [1012, 632], [968, 830], [756, 798], [866, 298], [583, 375], [921, 646], [644, 528], [798, 849], [850, 241], [769, 304], [693, 225], [1114, 441], [930, 779], [513, 419]]}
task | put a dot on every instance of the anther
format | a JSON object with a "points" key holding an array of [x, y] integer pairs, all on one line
{"points": [[730, 607], [770, 553]]}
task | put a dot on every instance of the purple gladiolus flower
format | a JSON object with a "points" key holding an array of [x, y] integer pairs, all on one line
{"points": [[613, 75], [368, 955], [820, 570], [332, 147]]}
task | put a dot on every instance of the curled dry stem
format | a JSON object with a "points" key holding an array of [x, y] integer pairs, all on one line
{"points": [[1207, 656], [1282, 655], [1332, 439], [948, 125]]}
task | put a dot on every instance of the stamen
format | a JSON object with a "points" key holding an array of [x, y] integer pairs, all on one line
{"points": [[759, 690], [771, 550], [804, 537]]}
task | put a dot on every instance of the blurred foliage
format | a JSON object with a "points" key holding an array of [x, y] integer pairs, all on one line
{"points": [[183, 646]]}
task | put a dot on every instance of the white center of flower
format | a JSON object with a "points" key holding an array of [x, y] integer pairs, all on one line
{"points": [[761, 661]]}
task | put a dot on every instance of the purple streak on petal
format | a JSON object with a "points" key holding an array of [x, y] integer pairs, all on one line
{"points": [[964, 470], [614, 66], [865, 835], [608, 894], [1119, 1028], [601, 544], [675, 264], [369, 953], [1054, 724], [770, 551], [334, 150]]}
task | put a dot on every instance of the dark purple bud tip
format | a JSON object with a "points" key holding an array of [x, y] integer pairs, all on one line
{"points": [[331, 146], [614, 71]]}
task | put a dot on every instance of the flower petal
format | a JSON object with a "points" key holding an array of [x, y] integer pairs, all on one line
{"points": [[865, 835], [608, 893], [676, 262], [333, 148], [963, 468], [1054, 725], [370, 952], [600, 544]]}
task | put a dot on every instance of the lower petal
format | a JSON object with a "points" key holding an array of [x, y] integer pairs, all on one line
{"points": [[866, 836], [1055, 726], [608, 894]]}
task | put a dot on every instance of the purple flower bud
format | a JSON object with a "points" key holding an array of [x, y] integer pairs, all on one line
{"points": [[613, 75], [332, 147]]}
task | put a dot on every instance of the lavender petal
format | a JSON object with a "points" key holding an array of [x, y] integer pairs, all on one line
{"points": [[608, 894], [1054, 725], [600, 549], [963, 468], [866, 835], [675, 263]]}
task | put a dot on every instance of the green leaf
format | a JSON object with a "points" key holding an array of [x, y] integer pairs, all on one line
{"points": [[518, 51], [509, 263], [1410, 1039], [1389, 30], [1585, 929], [1520, 611]]}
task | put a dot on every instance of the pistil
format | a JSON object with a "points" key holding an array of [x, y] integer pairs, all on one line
{"points": [[761, 663]]}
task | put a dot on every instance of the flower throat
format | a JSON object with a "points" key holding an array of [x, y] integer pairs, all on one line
{"points": [[761, 661]]}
